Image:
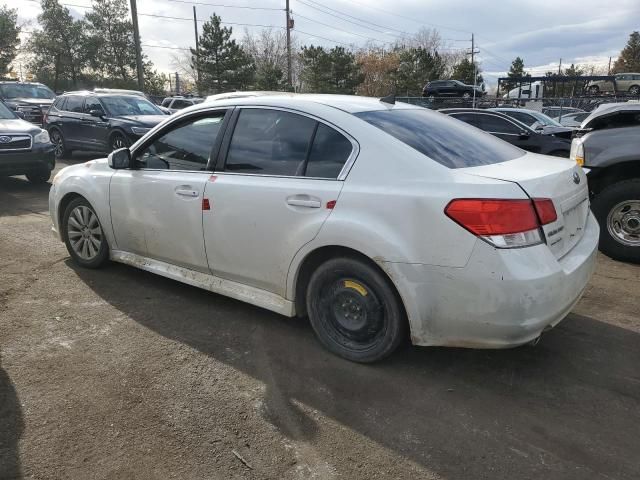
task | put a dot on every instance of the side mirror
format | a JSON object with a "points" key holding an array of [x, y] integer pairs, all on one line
{"points": [[19, 114], [119, 159], [96, 113]]}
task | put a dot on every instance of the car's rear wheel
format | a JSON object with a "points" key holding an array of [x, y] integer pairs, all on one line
{"points": [[118, 140], [594, 90], [57, 139], [466, 95], [617, 209], [635, 90], [83, 234], [39, 176], [354, 310]]}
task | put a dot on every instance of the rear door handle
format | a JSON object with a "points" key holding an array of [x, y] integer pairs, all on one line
{"points": [[304, 201], [186, 191]]}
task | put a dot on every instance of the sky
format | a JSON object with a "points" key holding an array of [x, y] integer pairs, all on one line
{"points": [[539, 31]]}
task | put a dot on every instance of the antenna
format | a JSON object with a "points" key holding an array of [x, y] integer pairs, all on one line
{"points": [[390, 99]]}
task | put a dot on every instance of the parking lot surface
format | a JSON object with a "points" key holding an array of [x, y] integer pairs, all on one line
{"points": [[118, 374]]}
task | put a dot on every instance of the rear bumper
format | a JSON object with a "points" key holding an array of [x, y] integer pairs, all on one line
{"points": [[20, 163], [501, 298]]}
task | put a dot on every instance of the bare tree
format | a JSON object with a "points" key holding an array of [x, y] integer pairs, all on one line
{"points": [[183, 64], [269, 51]]}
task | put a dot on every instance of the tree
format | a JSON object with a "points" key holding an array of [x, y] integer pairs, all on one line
{"points": [[223, 64], [629, 59], [515, 71], [345, 72], [316, 69], [464, 70], [378, 69], [154, 82], [417, 66], [9, 37], [111, 46], [268, 50], [57, 49]]}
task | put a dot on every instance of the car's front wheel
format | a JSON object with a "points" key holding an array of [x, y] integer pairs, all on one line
{"points": [[617, 209], [354, 310], [635, 90], [57, 139], [118, 141], [39, 176], [466, 95], [83, 234], [594, 90]]}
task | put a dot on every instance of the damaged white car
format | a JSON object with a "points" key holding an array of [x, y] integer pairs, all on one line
{"points": [[376, 219]]}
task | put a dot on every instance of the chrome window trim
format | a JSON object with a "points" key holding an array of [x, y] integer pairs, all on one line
{"points": [[20, 136], [355, 146]]}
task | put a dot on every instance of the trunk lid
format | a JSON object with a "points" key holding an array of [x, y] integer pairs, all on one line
{"points": [[560, 180]]}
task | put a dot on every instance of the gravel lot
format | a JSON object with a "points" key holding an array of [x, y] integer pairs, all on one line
{"points": [[119, 374]]}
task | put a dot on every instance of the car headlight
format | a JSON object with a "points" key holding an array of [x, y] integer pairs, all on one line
{"points": [[42, 137], [139, 130]]}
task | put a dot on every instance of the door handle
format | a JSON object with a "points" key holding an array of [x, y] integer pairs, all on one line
{"points": [[304, 201], [186, 191]]}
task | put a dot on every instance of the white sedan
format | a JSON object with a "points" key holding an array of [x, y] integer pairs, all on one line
{"points": [[374, 219]]}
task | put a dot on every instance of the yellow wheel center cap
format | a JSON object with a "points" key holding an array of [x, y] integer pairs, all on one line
{"points": [[356, 286]]}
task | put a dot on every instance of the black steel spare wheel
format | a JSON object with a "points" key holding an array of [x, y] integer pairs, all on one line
{"points": [[354, 310]]}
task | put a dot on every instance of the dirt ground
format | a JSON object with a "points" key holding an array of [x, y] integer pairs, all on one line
{"points": [[120, 374]]}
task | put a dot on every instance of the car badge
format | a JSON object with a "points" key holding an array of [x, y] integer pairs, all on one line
{"points": [[576, 178], [5, 139]]}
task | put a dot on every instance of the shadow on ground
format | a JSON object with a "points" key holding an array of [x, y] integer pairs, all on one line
{"points": [[568, 408], [11, 426]]}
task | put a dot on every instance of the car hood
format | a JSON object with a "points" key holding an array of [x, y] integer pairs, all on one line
{"points": [[562, 132], [15, 125], [142, 120], [29, 101]]}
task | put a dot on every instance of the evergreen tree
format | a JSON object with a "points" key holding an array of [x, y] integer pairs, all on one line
{"points": [[463, 71], [110, 46], [9, 37], [629, 59], [417, 67], [515, 71], [345, 72], [224, 65], [57, 49], [316, 69]]}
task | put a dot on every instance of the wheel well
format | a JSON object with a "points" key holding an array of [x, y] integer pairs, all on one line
{"points": [[62, 206], [314, 259], [600, 178]]}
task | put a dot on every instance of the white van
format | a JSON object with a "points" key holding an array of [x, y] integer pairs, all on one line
{"points": [[526, 91]]}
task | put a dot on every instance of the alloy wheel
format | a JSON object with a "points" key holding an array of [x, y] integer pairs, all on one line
{"points": [[58, 143], [118, 142], [85, 234]]}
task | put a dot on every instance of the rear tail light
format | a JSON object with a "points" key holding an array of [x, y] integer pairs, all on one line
{"points": [[504, 223], [577, 151]]}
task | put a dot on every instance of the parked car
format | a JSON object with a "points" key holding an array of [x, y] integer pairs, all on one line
{"points": [[99, 122], [369, 217], [608, 145], [537, 121], [555, 111], [573, 120], [450, 88], [512, 131], [30, 98], [25, 149], [138, 93], [173, 104], [625, 82]]}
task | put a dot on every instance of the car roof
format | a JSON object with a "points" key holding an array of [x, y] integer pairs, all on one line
{"points": [[110, 93], [347, 103], [610, 109]]}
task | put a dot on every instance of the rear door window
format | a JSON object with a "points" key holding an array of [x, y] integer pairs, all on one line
{"points": [[329, 153], [270, 142], [494, 124], [470, 118], [442, 138], [74, 103], [92, 104]]}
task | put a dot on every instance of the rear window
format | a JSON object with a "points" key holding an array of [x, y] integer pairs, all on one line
{"points": [[619, 119], [445, 140]]}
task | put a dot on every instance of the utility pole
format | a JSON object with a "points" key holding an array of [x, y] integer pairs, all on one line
{"points": [[197, 59], [177, 83], [289, 27], [560, 67], [609, 69], [136, 39], [475, 73]]}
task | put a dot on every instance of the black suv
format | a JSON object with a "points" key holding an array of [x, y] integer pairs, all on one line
{"points": [[25, 149], [450, 88], [31, 99], [512, 131], [99, 122]]}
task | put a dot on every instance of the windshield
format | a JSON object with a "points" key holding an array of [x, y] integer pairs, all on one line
{"points": [[129, 105], [544, 120], [6, 113], [449, 142], [25, 90]]}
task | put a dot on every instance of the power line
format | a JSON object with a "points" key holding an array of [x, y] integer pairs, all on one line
{"points": [[226, 6], [318, 7], [339, 29], [324, 38]]}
